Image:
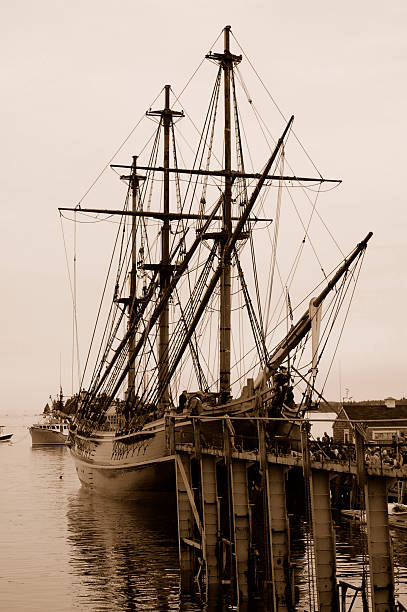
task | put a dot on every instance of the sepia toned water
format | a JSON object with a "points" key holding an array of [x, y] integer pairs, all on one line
{"points": [[64, 549]]}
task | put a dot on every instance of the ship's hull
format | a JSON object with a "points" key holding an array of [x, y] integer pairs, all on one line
{"points": [[123, 466], [41, 436]]}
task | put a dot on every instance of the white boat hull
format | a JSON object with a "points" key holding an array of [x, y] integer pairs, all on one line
{"points": [[40, 436], [398, 520]]}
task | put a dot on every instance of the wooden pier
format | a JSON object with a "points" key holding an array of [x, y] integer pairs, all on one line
{"points": [[233, 527]]}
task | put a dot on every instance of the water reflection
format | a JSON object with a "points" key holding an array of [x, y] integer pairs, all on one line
{"points": [[124, 555], [351, 558], [65, 549]]}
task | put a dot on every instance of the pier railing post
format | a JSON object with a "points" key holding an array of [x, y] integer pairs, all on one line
{"points": [[196, 424], [169, 423]]}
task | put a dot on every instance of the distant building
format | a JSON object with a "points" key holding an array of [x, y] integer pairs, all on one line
{"points": [[382, 421]]}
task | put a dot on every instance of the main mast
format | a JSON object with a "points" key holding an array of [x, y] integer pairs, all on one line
{"points": [[165, 269], [226, 60], [165, 257], [133, 276]]}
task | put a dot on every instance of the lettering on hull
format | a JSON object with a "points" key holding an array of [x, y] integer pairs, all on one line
{"points": [[85, 448], [123, 449]]}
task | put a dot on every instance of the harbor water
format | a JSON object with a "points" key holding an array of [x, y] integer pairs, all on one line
{"points": [[64, 549]]}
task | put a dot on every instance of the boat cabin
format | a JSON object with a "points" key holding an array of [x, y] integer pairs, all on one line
{"points": [[61, 427]]}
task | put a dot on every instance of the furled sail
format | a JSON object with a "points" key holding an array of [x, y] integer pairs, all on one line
{"points": [[315, 313]]}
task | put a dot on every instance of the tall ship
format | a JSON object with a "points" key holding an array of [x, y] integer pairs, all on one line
{"points": [[219, 305]]}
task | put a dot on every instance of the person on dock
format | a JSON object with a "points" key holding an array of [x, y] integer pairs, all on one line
{"points": [[326, 440], [375, 460], [282, 392], [195, 404], [182, 402]]}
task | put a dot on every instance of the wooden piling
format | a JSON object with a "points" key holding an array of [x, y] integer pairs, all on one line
{"points": [[279, 538], [230, 569], [379, 545], [170, 433], [240, 501], [188, 516], [324, 542], [210, 518], [233, 527], [196, 424]]}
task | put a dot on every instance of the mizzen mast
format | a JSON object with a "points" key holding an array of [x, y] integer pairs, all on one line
{"points": [[226, 60]]}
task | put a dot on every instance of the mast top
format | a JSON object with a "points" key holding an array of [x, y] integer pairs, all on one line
{"points": [[226, 58], [166, 111]]}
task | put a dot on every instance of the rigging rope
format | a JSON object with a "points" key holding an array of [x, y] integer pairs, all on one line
{"points": [[274, 102], [100, 309], [72, 286], [193, 347], [361, 258], [274, 246], [303, 188], [117, 151], [255, 325]]}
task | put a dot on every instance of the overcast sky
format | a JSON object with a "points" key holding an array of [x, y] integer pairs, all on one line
{"points": [[77, 75]]}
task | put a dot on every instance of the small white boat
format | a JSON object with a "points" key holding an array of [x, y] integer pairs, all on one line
{"points": [[4, 437], [397, 509], [52, 429], [397, 515], [354, 514]]}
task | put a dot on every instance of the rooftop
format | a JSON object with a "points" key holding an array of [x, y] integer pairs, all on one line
{"points": [[381, 412]]}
